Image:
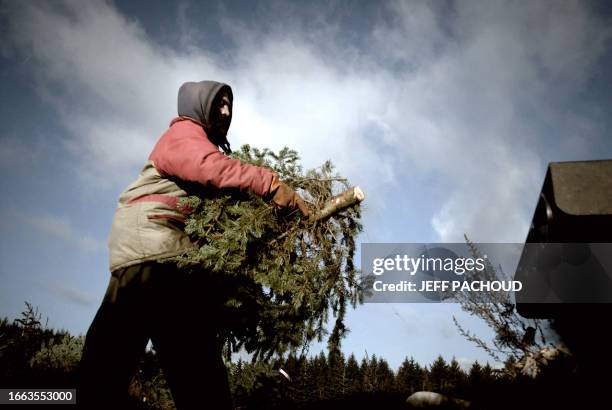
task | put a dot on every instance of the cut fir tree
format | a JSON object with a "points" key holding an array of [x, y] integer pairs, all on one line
{"points": [[277, 277]]}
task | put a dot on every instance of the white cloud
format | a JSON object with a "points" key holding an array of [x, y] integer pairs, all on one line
{"points": [[462, 96], [62, 229], [70, 294], [477, 109]]}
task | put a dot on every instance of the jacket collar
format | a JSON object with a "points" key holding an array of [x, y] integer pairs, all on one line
{"points": [[182, 118]]}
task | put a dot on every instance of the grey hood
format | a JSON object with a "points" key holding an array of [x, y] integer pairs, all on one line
{"points": [[195, 100]]}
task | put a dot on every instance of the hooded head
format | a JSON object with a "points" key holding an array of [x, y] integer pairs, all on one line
{"points": [[204, 102]]}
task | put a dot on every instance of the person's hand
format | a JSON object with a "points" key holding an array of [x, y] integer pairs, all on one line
{"points": [[285, 197]]}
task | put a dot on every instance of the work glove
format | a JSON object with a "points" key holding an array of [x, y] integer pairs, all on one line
{"points": [[285, 197]]}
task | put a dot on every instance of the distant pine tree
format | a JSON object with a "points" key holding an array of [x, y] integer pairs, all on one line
{"points": [[337, 375], [410, 377], [308, 382], [294, 366], [385, 377], [456, 378], [321, 373], [438, 375], [367, 378], [352, 376], [476, 375]]}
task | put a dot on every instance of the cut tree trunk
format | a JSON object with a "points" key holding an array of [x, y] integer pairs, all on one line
{"points": [[338, 203], [344, 200]]}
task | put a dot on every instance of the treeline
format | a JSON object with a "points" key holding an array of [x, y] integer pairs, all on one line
{"points": [[31, 355], [334, 381]]}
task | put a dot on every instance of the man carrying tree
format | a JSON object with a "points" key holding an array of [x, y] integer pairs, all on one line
{"points": [[147, 299]]}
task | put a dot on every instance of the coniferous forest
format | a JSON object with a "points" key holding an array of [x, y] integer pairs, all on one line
{"points": [[32, 355]]}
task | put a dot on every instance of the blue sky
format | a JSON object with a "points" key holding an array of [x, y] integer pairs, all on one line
{"points": [[446, 113]]}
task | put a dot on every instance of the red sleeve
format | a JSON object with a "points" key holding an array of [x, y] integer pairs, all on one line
{"points": [[185, 152]]}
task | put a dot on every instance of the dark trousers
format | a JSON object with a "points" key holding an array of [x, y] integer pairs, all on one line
{"points": [[176, 311]]}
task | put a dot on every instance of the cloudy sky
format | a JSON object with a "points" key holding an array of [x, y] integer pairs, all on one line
{"points": [[446, 113]]}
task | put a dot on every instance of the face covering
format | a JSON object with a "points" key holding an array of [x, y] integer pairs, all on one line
{"points": [[200, 101]]}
